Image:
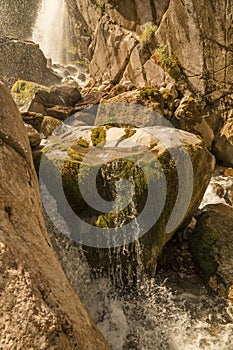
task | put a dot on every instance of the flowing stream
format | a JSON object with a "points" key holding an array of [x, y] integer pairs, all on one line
{"points": [[52, 30]]}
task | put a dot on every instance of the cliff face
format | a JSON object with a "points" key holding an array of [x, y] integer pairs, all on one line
{"points": [[108, 31], [111, 37], [198, 34]]}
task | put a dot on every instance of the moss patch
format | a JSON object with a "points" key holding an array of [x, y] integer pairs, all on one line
{"points": [[83, 143], [74, 155], [151, 94], [100, 4], [128, 133], [148, 34], [78, 148], [98, 136], [23, 91], [168, 62]]}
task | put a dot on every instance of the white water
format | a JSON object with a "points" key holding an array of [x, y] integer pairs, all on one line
{"points": [[220, 190], [152, 317], [52, 31]]}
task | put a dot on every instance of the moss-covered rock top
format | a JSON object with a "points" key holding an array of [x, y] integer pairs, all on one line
{"points": [[23, 91]]}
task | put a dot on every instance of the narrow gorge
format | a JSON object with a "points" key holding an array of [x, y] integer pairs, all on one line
{"points": [[116, 148]]}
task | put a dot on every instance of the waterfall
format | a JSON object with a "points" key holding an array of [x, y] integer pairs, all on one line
{"points": [[52, 30]]}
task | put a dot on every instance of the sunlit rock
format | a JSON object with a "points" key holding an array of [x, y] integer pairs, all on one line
{"points": [[33, 135]]}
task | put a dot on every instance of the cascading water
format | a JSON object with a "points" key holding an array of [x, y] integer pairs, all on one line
{"points": [[52, 30], [220, 190]]}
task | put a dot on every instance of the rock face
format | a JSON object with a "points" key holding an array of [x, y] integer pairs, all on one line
{"points": [[170, 40], [158, 42], [100, 157], [24, 60], [12, 13], [40, 310], [113, 48], [203, 42], [191, 116], [212, 244], [192, 45], [200, 40], [110, 34], [33, 135]]}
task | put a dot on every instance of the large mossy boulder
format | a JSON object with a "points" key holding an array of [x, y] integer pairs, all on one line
{"points": [[39, 308], [212, 247], [168, 171]]}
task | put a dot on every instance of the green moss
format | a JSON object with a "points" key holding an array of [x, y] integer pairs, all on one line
{"points": [[148, 34], [74, 155], [168, 62], [167, 162], [83, 143], [100, 4], [129, 169], [150, 94], [128, 133], [70, 174], [77, 149], [202, 243], [106, 221], [98, 136], [23, 91], [80, 142], [22, 85]]}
